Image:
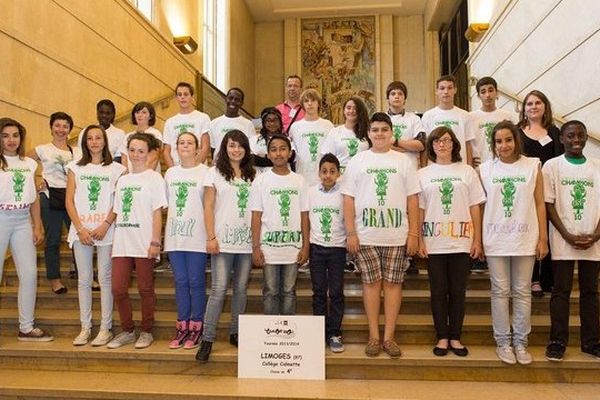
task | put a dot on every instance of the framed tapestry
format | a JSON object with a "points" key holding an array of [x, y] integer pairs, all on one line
{"points": [[338, 58]]}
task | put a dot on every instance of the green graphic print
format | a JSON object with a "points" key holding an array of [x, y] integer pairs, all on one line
{"points": [[284, 208], [352, 145], [578, 194], [488, 128], [242, 198], [397, 132], [326, 220], [93, 192], [182, 195], [313, 146], [508, 197], [446, 191], [381, 181], [127, 201], [18, 184]]}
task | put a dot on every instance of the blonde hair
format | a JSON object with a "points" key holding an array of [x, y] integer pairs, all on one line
{"points": [[311, 94]]}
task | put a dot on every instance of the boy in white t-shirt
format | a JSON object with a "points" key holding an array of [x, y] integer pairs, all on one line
{"points": [[105, 113], [188, 120], [447, 114], [328, 249], [380, 196], [571, 184], [483, 120], [280, 228]]}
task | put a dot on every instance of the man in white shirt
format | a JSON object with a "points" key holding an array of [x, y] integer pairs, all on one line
{"points": [[291, 109]]}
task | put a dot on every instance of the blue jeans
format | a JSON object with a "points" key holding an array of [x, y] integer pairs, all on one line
{"points": [[327, 276], [279, 290], [53, 221], [16, 232], [226, 266], [190, 284]]}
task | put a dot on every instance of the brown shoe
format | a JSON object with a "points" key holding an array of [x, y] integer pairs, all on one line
{"points": [[373, 348], [391, 348]]}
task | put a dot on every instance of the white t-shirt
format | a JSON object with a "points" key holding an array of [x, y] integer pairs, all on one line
{"points": [[94, 195], [115, 140], [232, 214], [447, 193], [223, 124], [326, 216], [343, 144], [510, 225], [308, 136], [151, 130], [407, 127], [54, 164], [137, 196], [455, 119], [574, 191], [258, 146], [380, 184], [281, 199], [17, 183], [482, 124], [195, 122], [185, 230]]}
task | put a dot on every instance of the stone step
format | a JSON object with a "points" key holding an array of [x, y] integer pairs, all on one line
{"points": [[414, 301], [417, 362], [413, 329]]}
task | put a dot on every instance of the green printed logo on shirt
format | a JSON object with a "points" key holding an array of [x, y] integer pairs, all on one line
{"points": [[182, 195], [578, 203], [508, 196], [243, 193], [326, 220], [18, 184], [398, 131], [127, 201], [352, 146], [446, 191], [184, 128], [313, 145], [284, 208], [381, 182], [488, 128], [94, 188]]}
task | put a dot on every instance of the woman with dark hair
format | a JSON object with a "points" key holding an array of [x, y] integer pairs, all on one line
{"points": [[54, 157], [21, 222], [512, 184], [451, 234], [143, 116], [91, 185], [347, 140], [540, 139], [229, 239], [271, 124]]}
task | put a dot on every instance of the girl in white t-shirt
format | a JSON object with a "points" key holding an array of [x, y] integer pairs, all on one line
{"points": [[347, 140], [54, 157], [143, 116], [21, 222], [89, 200], [227, 218], [185, 240], [308, 136], [449, 202], [513, 237], [139, 199]]}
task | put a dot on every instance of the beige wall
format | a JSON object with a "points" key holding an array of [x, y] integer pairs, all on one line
{"points": [[65, 55], [241, 51], [268, 64]]}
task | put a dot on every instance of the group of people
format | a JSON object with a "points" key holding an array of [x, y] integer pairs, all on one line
{"points": [[450, 187]]}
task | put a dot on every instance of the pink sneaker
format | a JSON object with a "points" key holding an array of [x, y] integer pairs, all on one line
{"points": [[181, 334], [194, 337]]}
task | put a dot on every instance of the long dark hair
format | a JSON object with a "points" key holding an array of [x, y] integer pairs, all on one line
{"points": [[5, 122], [438, 133], [263, 117], [361, 128], [86, 156], [246, 165]]}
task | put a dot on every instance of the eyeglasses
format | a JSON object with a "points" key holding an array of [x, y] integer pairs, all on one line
{"points": [[445, 141]]}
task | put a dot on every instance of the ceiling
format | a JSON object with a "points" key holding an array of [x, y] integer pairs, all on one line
{"points": [[277, 10]]}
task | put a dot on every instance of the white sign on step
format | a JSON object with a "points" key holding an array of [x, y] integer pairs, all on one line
{"points": [[281, 347]]}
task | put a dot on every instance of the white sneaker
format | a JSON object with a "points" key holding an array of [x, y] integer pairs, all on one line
{"points": [[145, 340], [506, 354], [104, 336], [83, 338], [121, 339], [523, 356]]}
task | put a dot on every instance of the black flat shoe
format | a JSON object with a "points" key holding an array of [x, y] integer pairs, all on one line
{"points": [[233, 339], [60, 290], [440, 351], [462, 352]]}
